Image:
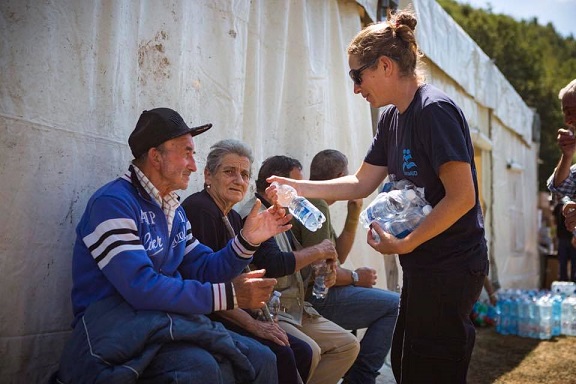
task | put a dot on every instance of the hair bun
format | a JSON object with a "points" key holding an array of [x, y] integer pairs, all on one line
{"points": [[406, 19]]}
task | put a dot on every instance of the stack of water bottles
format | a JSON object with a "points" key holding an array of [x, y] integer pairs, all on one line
{"points": [[398, 209], [537, 314]]}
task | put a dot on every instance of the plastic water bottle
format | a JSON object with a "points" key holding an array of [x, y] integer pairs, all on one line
{"points": [[387, 206], [319, 290], [274, 305], [401, 228], [503, 311], [524, 316], [513, 326], [565, 288], [565, 316], [491, 315], [398, 212], [556, 314], [302, 209], [544, 306], [568, 316], [565, 200]]}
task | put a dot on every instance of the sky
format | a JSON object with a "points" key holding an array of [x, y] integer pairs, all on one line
{"points": [[561, 13]]}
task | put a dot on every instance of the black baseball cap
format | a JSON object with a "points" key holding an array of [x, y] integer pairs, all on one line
{"points": [[157, 126]]}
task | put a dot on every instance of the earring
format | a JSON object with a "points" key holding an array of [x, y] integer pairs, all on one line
{"points": [[208, 186]]}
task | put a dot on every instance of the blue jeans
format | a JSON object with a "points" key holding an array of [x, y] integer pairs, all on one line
{"points": [[182, 362], [354, 308]]}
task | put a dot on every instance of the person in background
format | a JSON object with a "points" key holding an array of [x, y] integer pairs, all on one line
{"points": [[562, 182], [226, 178], [566, 251], [142, 283], [372, 308], [423, 137], [334, 348]]}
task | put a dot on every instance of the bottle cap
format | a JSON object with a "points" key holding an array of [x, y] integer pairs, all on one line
{"points": [[286, 193], [410, 194]]}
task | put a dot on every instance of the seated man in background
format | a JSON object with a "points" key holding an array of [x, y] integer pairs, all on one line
{"points": [[334, 348], [142, 283], [352, 303]]}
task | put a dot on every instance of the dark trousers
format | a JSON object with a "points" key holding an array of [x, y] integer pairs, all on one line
{"points": [[566, 252], [290, 361], [434, 336]]}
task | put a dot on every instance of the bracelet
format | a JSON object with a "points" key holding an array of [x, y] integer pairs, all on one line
{"points": [[246, 243]]}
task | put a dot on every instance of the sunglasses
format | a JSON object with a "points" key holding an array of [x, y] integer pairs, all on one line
{"points": [[356, 74]]}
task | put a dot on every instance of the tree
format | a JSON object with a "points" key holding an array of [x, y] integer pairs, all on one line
{"points": [[535, 59]]}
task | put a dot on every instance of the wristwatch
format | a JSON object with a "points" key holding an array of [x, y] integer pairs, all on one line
{"points": [[354, 278]]}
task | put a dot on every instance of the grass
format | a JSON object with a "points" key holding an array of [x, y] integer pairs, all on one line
{"points": [[506, 359]]}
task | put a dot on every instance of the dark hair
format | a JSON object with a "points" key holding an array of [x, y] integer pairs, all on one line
{"points": [[394, 38], [275, 165], [328, 164]]}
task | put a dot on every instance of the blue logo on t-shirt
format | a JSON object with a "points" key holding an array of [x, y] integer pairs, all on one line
{"points": [[408, 166]]}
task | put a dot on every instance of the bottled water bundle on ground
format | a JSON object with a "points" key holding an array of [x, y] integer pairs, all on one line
{"points": [[398, 209], [537, 314]]}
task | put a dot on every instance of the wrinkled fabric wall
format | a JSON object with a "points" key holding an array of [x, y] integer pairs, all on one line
{"points": [[450, 48], [75, 77], [514, 224]]}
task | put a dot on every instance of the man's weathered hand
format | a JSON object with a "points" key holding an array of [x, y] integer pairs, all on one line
{"points": [[326, 250], [366, 277], [252, 289], [566, 142], [269, 331], [330, 277], [569, 212], [260, 226], [355, 207]]}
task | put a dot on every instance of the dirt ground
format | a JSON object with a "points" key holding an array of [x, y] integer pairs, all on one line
{"points": [[500, 359], [506, 359]]}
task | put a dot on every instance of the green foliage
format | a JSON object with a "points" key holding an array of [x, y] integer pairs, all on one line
{"points": [[535, 59]]}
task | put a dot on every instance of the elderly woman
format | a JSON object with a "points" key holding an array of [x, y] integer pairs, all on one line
{"points": [[214, 223]]}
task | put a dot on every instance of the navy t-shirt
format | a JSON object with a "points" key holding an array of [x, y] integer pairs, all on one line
{"points": [[413, 145]]}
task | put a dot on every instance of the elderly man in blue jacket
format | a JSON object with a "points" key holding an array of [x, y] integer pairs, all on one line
{"points": [[142, 284]]}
